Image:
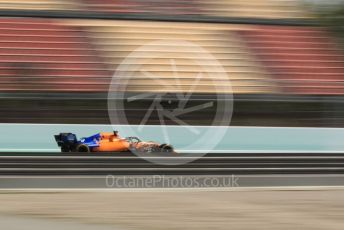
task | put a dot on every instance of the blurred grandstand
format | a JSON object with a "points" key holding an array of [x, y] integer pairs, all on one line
{"points": [[58, 58]]}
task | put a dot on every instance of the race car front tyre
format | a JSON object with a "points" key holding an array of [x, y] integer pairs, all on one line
{"points": [[166, 148]]}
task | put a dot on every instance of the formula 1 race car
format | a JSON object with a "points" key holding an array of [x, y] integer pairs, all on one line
{"points": [[109, 142]]}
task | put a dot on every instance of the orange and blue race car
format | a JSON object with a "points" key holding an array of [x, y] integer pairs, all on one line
{"points": [[108, 142]]}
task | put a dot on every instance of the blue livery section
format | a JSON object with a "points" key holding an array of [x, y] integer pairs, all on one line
{"points": [[92, 141]]}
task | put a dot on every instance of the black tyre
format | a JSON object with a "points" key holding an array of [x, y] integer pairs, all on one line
{"points": [[82, 148], [162, 146], [167, 148]]}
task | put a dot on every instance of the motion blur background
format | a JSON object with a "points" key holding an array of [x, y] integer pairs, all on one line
{"points": [[284, 58]]}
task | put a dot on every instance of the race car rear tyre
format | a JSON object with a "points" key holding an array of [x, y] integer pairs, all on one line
{"points": [[82, 148]]}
